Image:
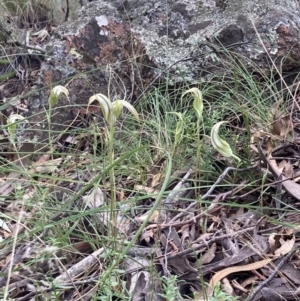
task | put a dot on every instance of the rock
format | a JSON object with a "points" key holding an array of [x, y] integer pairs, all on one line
{"points": [[121, 48]]}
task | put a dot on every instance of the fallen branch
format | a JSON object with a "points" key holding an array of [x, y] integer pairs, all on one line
{"points": [[79, 268]]}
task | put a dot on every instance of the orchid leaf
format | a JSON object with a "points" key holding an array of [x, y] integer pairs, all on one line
{"points": [[179, 127]]}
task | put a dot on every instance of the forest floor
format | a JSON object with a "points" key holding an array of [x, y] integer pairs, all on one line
{"points": [[159, 208]]}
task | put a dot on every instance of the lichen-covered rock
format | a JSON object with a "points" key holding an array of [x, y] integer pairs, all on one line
{"points": [[121, 47]]}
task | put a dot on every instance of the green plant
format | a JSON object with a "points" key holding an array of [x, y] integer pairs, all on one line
{"points": [[171, 291], [178, 131], [220, 295], [179, 139], [219, 144], [111, 112], [55, 94], [198, 107], [12, 123]]}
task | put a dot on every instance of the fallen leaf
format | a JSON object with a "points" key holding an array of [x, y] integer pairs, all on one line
{"points": [[157, 179], [226, 286], [288, 170], [290, 186], [4, 226], [146, 189], [42, 34], [147, 236], [224, 273], [287, 126], [209, 255], [286, 247], [46, 167], [277, 127], [249, 281], [154, 217], [274, 242]]}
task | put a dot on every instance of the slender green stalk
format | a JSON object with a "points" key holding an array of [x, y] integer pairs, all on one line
{"points": [[55, 95], [198, 156], [49, 114], [178, 131], [111, 112], [10, 268], [156, 205], [113, 204], [198, 107]]}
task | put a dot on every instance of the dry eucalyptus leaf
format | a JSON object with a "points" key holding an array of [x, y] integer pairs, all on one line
{"points": [[286, 247], [226, 287], [4, 226], [154, 217], [290, 186], [157, 179], [272, 242], [249, 281], [146, 189], [46, 167], [288, 170], [209, 255], [224, 273]]}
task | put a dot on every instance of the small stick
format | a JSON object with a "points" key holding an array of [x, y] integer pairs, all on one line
{"points": [[208, 242], [208, 193], [277, 268]]}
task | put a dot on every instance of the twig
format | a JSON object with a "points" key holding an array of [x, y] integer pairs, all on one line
{"points": [[173, 195], [276, 270], [206, 195], [208, 242], [243, 196], [15, 258], [160, 74], [79, 267], [210, 190], [17, 43]]}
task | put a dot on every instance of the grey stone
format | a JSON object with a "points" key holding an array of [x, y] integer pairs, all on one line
{"points": [[121, 48]]}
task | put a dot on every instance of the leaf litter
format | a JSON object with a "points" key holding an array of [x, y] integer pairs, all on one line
{"points": [[235, 244], [234, 247]]}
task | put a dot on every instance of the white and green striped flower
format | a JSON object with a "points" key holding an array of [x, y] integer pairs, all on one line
{"points": [[112, 110], [219, 144]]}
